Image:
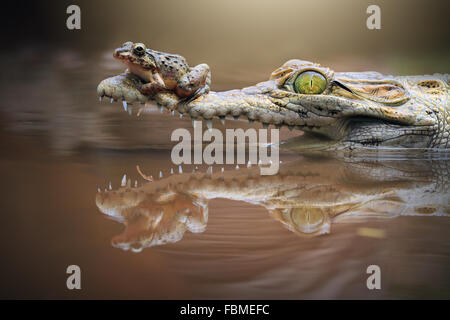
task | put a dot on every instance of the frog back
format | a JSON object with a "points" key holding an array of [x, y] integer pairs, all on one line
{"points": [[170, 65]]}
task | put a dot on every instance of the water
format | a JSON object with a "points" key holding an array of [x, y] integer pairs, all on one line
{"points": [[308, 232]]}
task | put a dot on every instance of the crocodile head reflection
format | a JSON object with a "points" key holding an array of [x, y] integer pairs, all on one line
{"points": [[152, 217], [306, 196]]}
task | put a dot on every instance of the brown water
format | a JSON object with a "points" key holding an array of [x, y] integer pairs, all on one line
{"points": [[308, 232]]}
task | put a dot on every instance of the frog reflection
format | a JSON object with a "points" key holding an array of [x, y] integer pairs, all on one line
{"points": [[152, 218], [306, 196]]}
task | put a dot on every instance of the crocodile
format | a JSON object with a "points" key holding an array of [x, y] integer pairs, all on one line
{"points": [[335, 110], [306, 196]]}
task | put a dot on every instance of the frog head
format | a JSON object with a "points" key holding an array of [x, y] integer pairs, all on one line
{"points": [[137, 58]]}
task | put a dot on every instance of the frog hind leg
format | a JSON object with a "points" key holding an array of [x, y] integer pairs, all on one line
{"points": [[193, 84]]}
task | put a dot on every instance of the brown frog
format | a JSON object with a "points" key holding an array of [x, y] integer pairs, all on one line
{"points": [[163, 71]]}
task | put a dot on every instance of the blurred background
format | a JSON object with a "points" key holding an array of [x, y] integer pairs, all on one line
{"points": [[244, 34]]}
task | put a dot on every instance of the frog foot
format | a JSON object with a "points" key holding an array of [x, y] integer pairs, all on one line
{"points": [[144, 176], [141, 109]]}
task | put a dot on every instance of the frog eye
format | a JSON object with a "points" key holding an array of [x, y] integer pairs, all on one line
{"points": [[139, 49], [310, 82]]}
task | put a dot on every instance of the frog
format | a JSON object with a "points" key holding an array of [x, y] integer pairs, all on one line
{"points": [[162, 72]]}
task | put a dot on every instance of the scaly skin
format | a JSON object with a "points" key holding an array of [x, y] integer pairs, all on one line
{"points": [[356, 109], [306, 196]]}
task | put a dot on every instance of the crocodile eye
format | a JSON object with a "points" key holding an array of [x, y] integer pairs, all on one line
{"points": [[139, 49], [310, 82]]}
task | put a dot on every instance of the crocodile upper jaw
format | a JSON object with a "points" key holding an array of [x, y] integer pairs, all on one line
{"points": [[332, 121]]}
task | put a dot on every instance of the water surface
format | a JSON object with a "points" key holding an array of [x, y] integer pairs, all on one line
{"points": [[308, 232]]}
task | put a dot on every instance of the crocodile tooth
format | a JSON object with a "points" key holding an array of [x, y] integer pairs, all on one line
{"points": [[98, 189], [196, 168], [171, 170], [237, 166], [160, 174], [124, 105], [158, 219], [106, 190], [136, 250], [209, 171], [110, 186], [160, 109], [124, 180], [135, 183], [111, 101], [181, 115], [249, 164], [100, 99], [172, 113], [222, 119], [180, 169], [209, 124], [259, 163]]}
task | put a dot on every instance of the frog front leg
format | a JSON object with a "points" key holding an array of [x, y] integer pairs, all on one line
{"points": [[155, 85], [194, 83], [152, 88]]}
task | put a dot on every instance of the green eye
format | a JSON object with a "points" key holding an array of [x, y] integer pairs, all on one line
{"points": [[310, 82]]}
